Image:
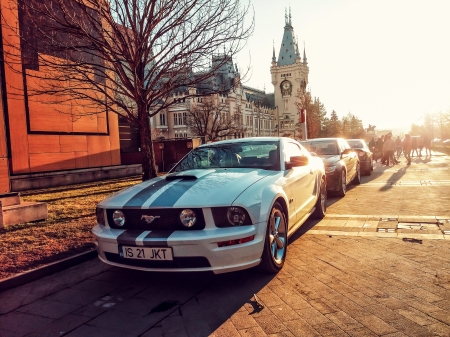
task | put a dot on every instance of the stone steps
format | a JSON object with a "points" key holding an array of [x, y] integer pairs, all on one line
{"points": [[13, 211]]}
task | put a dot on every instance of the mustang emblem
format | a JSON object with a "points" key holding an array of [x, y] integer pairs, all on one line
{"points": [[149, 218]]}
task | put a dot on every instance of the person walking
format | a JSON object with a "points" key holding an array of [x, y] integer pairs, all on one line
{"points": [[407, 149], [398, 146], [389, 149], [427, 144], [379, 149], [414, 147], [372, 144]]}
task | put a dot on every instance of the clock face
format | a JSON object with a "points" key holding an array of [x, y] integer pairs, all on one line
{"points": [[286, 88]]}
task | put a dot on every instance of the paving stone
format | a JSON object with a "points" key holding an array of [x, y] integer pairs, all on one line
{"points": [[243, 320], [312, 316], [330, 330], [87, 330], [410, 328], [416, 316], [252, 332], [50, 309], [125, 321], [440, 329], [344, 321], [300, 327], [361, 332], [376, 325], [60, 326], [271, 324], [22, 323], [441, 315]]}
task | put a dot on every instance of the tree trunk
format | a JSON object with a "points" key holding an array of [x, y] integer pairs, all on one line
{"points": [[148, 155]]}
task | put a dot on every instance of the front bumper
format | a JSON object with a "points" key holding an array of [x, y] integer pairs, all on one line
{"points": [[333, 180], [192, 250]]}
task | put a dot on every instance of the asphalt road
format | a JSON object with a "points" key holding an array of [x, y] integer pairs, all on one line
{"points": [[377, 265]]}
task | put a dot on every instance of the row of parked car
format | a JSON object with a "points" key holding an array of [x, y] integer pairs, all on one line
{"points": [[228, 205]]}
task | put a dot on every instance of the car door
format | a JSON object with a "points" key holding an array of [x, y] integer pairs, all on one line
{"points": [[301, 180], [349, 160]]}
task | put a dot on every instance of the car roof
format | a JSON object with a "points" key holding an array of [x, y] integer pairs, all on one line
{"points": [[319, 139], [246, 140]]}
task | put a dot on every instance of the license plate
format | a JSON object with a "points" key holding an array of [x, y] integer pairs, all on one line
{"points": [[146, 253]]}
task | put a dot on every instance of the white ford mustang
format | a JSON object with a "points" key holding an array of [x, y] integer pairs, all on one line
{"points": [[225, 206]]}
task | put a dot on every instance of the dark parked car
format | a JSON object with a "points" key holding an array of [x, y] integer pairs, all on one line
{"points": [[341, 162], [364, 154]]}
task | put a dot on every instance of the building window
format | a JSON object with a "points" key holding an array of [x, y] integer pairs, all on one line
{"points": [[162, 118], [179, 118]]}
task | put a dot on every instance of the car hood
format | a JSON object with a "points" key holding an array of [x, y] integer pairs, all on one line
{"points": [[193, 188], [330, 159]]}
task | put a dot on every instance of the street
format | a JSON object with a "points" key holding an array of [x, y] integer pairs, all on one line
{"points": [[377, 265]]}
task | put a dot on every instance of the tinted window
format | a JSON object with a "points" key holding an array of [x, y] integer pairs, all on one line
{"points": [[262, 154], [322, 147]]}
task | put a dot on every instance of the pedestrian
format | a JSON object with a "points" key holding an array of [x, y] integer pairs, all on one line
{"points": [[407, 148], [427, 144], [398, 146], [379, 149], [372, 144], [414, 146], [420, 145], [389, 150]]}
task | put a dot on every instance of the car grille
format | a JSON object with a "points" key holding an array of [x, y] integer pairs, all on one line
{"points": [[168, 219], [178, 262]]}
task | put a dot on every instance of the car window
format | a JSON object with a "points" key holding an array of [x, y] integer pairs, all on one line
{"points": [[322, 147], [356, 144], [257, 154], [343, 145]]}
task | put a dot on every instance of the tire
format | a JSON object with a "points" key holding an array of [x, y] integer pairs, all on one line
{"points": [[357, 179], [275, 244], [321, 204], [342, 184]]}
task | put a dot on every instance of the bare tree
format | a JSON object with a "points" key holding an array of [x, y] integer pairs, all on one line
{"points": [[129, 56], [211, 119]]}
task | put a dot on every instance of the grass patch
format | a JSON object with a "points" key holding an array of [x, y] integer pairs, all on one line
{"points": [[66, 232]]}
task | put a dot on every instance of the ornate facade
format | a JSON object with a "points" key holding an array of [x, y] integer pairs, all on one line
{"points": [[259, 113]]}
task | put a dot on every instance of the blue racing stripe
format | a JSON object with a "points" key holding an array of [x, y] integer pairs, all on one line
{"points": [[157, 238], [141, 197], [172, 194]]}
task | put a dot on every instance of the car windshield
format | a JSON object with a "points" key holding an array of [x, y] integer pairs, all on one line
{"points": [[256, 154], [322, 147], [356, 144]]}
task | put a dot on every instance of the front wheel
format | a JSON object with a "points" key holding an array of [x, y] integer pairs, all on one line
{"points": [[357, 178], [321, 207], [342, 184], [275, 244]]}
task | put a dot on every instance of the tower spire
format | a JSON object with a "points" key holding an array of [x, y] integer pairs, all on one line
{"points": [[305, 60], [290, 21], [285, 16], [273, 55]]}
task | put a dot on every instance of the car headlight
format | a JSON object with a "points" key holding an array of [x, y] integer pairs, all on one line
{"points": [[100, 214], [330, 169], [236, 216], [188, 217], [118, 218]]}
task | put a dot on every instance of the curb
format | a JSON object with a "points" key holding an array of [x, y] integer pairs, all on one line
{"points": [[54, 267]]}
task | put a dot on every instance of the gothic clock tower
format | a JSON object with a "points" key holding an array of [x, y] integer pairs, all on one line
{"points": [[289, 78]]}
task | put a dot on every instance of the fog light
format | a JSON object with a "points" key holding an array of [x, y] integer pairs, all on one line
{"points": [[118, 218], [235, 242], [188, 217]]}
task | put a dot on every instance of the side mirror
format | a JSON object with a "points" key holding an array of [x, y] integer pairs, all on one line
{"points": [[346, 152], [297, 161]]}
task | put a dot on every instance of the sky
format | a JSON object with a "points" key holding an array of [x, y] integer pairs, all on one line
{"points": [[385, 61]]}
